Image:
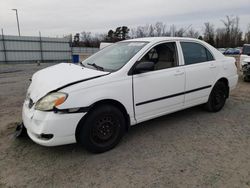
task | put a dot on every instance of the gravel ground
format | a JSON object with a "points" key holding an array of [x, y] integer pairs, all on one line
{"points": [[190, 148]]}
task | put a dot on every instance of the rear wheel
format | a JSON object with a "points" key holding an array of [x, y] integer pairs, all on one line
{"points": [[103, 129], [217, 97]]}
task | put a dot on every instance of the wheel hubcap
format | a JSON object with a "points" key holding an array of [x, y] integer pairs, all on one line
{"points": [[105, 129]]}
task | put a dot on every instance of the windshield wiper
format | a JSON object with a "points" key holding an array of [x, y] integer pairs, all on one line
{"points": [[82, 64], [96, 66]]}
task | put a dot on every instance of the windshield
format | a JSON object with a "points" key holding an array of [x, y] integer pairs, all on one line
{"points": [[246, 50], [113, 57]]}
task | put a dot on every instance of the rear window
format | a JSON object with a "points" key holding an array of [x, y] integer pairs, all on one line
{"points": [[195, 53], [246, 50]]}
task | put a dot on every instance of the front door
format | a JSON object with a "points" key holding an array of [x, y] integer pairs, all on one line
{"points": [[160, 91]]}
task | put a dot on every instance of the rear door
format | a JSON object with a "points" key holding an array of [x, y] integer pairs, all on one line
{"points": [[159, 91], [201, 72]]}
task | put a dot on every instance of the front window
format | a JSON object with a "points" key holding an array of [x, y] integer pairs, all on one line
{"points": [[113, 57], [163, 56]]}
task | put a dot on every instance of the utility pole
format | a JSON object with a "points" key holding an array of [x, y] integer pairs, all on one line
{"points": [[17, 21]]}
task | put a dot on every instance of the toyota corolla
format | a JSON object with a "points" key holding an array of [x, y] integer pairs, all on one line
{"points": [[94, 103]]}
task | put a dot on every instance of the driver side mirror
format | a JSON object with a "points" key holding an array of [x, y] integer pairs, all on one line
{"points": [[144, 67]]}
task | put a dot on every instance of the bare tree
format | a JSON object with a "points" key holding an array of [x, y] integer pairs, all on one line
{"points": [[247, 35], [230, 35], [180, 32], [209, 33], [233, 32], [172, 30], [192, 33], [151, 31], [86, 37], [90, 40], [220, 39], [167, 33], [141, 31], [160, 29]]}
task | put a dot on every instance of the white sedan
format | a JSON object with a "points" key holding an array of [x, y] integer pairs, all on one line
{"points": [[94, 103]]}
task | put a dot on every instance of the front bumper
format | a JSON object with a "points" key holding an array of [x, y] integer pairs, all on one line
{"points": [[61, 126]]}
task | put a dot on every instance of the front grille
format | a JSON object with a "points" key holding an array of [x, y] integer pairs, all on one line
{"points": [[31, 103]]}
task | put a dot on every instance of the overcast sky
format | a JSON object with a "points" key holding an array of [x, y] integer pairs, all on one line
{"points": [[61, 17]]}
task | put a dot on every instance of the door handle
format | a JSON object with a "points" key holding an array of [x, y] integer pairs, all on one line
{"points": [[178, 73]]}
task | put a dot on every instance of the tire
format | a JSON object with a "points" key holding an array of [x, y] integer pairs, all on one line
{"points": [[102, 130], [217, 97], [20, 131]]}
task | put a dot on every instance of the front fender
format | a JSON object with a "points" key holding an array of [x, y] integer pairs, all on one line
{"points": [[119, 90]]}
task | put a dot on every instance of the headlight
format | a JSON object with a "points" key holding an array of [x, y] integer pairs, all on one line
{"points": [[50, 101]]}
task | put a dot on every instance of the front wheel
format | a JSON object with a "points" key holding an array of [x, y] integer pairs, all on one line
{"points": [[103, 129], [217, 97]]}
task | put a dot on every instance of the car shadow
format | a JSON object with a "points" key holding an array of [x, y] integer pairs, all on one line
{"points": [[158, 124], [167, 119]]}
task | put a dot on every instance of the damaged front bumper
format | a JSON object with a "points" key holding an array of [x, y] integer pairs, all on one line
{"points": [[50, 128]]}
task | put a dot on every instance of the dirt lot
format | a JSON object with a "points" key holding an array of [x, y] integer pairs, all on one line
{"points": [[191, 148]]}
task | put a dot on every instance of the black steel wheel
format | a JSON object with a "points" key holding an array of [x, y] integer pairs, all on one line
{"points": [[105, 129], [102, 129], [217, 97]]}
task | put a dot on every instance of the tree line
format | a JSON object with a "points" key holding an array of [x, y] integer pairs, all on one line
{"points": [[229, 35]]}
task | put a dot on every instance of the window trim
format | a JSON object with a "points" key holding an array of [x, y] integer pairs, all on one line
{"points": [[210, 53], [131, 70], [196, 42]]}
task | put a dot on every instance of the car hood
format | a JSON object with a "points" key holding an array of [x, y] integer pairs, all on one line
{"points": [[58, 76]]}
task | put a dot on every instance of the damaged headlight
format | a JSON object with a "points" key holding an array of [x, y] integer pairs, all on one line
{"points": [[50, 101]]}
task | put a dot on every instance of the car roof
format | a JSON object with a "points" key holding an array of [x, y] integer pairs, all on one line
{"points": [[159, 39], [216, 53]]}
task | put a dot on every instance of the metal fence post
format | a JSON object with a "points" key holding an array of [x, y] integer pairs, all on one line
{"points": [[71, 49], [4, 48], [71, 52], [41, 46]]}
